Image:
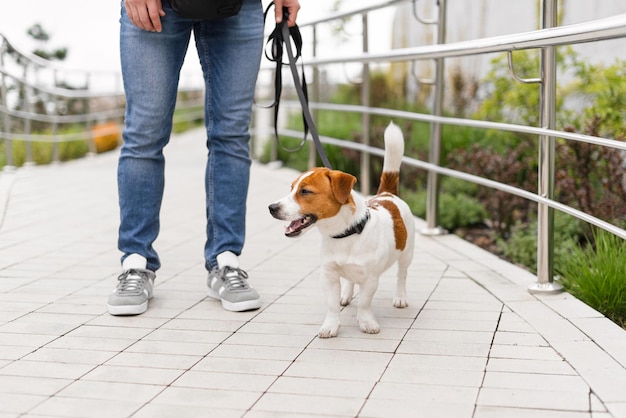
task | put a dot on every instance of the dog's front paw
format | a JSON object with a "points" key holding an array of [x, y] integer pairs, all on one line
{"points": [[345, 300], [328, 330], [347, 292], [368, 323], [370, 326], [399, 302]]}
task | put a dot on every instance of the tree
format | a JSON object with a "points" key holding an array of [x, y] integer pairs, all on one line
{"points": [[38, 33]]}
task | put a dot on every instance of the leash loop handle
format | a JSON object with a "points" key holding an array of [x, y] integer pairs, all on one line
{"points": [[283, 34]]}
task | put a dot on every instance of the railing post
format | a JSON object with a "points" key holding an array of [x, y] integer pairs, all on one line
{"points": [[6, 121], [432, 191], [365, 117], [56, 155], [545, 214], [55, 143], [90, 121], [27, 122]]}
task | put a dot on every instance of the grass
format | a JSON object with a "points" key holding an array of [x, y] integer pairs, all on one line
{"points": [[595, 274]]}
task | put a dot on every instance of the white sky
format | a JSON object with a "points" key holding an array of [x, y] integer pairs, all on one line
{"points": [[88, 28]]}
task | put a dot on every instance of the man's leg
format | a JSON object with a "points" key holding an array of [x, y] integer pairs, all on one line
{"points": [[230, 53], [151, 65]]}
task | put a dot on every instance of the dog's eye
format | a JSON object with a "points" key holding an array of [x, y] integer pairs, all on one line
{"points": [[305, 191]]}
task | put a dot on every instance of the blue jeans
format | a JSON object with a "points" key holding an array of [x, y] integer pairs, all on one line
{"points": [[230, 53]]}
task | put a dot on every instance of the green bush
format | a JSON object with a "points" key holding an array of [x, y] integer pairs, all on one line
{"points": [[601, 90], [3, 156], [521, 245], [42, 152], [289, 152], [455, 210], [595, 275]]}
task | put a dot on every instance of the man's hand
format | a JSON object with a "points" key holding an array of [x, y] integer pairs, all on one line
{"points": [[145, 14], [292, 6]]}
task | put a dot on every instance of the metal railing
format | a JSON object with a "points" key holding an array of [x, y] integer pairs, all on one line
{"points": [[35, 91], [545, 40]]}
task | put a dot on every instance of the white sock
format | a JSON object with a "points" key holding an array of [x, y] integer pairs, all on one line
{"points": [[134, 261], [227, 258]]}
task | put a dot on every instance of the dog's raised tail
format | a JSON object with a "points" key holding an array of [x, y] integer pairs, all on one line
{"points": [[394, 150]]}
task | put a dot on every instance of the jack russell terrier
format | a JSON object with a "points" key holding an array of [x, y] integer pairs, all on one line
{"points": [[361, 238]]}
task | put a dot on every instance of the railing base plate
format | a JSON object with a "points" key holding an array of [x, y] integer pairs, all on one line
{"points": [[545, 288], [433, 231]]}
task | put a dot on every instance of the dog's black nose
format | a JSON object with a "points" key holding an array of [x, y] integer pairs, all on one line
{"points": [[274, 209]]}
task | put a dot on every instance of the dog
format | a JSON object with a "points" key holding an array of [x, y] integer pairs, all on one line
{"points": [[361, 239]]}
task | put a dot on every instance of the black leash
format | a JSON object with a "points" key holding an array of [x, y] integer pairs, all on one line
{"points": [[282, 34]]}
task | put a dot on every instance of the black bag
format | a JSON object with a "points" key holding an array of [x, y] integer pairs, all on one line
{"points": [[206, 9]]}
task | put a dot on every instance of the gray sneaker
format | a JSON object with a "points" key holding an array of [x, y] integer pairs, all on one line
{"points": [[134, 289], [230, 285]]}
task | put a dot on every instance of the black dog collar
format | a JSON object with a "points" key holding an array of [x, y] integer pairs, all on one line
{"points": [[356, 228]]}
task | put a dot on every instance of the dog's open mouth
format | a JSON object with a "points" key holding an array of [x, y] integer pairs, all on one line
{"points": [[296, 227]]}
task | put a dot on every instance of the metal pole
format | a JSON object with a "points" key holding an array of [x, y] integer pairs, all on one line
{"points": [[56, 155], [6, 121], [55, 143], [365, 117], [90, 121], [432, 191], [27, 122], [545, 214]]}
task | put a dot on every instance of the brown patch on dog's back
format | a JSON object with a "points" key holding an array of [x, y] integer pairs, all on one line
{"points": [[399, 228]]}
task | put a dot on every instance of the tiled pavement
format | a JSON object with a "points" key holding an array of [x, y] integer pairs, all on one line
{"points": [[473, 342]]}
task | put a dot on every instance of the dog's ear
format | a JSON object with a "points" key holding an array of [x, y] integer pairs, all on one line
{"points": [[341, 184]]}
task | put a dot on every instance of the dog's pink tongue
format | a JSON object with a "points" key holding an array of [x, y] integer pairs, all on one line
{"points": [[293, 226]]}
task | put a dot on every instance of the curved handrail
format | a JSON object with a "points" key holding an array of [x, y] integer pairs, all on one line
{"points": [[471, 123], [350, 13], [593, 31]]}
